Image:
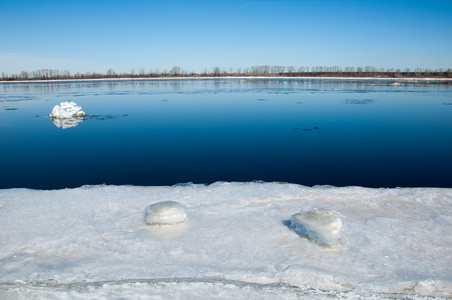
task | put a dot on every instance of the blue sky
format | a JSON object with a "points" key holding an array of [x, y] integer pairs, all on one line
{"points": [[92, 36]]}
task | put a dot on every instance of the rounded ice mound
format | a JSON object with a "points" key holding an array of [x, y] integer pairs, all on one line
{"points": [[165, 213], [67, 110], [321, 225]]}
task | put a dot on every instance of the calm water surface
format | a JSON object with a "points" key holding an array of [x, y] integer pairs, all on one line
{"points": [[163, 132]]}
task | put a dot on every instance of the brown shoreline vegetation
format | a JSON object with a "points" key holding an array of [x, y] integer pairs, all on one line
{"points": [[265, 71]]}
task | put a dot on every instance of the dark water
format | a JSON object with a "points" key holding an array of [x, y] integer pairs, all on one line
{"points": [[163, 132]]}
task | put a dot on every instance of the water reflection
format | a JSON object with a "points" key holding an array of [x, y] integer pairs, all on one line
{"points": [[66, 123], [70, 89]]}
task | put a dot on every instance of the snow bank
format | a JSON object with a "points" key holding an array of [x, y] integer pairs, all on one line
{"points": [[165, 213], [67, 110], [321, 225]]}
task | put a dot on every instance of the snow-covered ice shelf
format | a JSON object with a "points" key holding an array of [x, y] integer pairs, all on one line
{"points": [[237, 241]]}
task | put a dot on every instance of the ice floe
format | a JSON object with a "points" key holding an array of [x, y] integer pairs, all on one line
{"points": [[67, 110], [67, 114]]}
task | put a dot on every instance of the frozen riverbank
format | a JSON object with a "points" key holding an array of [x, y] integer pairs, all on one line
{"points": [[72, 240]]}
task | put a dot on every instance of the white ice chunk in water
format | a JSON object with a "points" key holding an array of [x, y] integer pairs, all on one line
{"points": [[67, 110], [321, 225], [166, 213]]}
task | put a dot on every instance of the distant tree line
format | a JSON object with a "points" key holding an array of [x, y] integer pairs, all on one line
{"points": [[265, 70]]}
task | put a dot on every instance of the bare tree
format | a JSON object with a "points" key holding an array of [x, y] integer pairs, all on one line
{"points": [[110, 72], [24, 75], [418, 71], [369, 69], [175, 71], [277, 70], [290, 69], [216, 71]]}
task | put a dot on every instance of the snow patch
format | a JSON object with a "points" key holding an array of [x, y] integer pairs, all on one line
{"points": [[166, 213], [321, 225]]}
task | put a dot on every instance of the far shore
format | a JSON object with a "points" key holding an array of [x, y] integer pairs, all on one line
{"points": [[146, 78]]}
